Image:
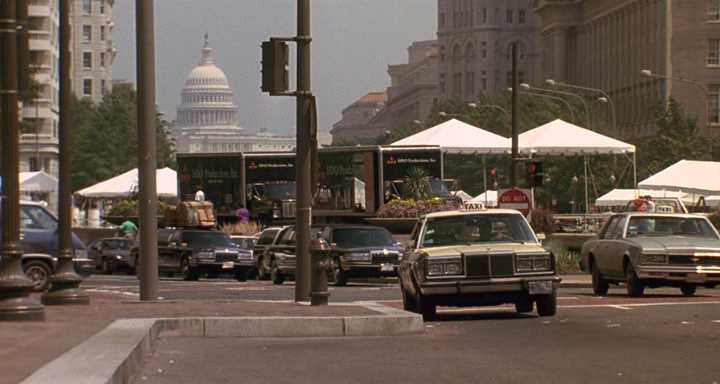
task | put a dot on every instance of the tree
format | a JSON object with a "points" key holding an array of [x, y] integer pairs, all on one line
{"points": [[105, 138]]}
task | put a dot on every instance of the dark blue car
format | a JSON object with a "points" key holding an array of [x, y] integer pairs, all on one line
{"points": [[39, 240]]}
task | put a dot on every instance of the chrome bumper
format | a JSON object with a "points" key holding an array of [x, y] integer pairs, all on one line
{"points": [[493, 285]]}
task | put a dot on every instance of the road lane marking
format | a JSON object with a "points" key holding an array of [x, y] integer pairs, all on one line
{"points": [[113, 292], [621, 307], [580, 306], [716, 321]]}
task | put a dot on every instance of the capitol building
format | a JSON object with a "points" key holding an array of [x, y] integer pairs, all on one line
{"points": [[207, 116]]}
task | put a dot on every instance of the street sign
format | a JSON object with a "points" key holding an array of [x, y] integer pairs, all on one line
{"points": [[515, 198]]}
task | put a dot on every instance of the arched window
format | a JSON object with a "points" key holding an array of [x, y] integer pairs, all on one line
{"points": [[457, 52], [469, 51]]}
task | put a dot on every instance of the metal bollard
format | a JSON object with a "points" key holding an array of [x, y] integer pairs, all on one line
{"points": [[321, 264]]}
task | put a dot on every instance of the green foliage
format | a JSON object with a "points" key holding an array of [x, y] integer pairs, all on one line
{"points": [[542, 221], [416, 184], [106, 139], [410, 208]]}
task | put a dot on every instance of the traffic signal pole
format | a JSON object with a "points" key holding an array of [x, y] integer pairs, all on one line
{"points": [[303, 216], [515, 106]]}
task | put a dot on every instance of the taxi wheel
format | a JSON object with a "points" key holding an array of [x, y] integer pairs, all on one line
{"points": [[275, 275], [635, 287], [425, 307], [408, 302], [187, 271], [524, 306], [599, 284], [688, 290], [39, 272], [547, 304], [242, 274]]}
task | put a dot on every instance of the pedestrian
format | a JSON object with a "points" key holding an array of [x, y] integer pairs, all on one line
{"points": [[243, 215], [128, 229], [199, 195]]}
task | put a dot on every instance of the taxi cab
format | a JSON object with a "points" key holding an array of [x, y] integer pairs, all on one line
{"points": [[477, 257]]}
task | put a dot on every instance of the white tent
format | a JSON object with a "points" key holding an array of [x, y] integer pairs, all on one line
{"points": [[562, 138], [462, 195], [455, 136], [127, 183], [618, 197], [37, 182], [489, 198], [712, 201], [692, 177]]}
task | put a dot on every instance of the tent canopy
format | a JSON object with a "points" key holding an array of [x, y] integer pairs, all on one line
{"points": [[455, 136], [127, 183], [37, 182], [618, 197], [490, 201], [697, 177], [562, 138]]}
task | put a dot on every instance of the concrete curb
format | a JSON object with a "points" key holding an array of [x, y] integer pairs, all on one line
{"points": [[116, 353]]}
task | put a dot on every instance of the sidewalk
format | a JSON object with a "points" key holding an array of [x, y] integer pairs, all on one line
{"points": [[25, 346]]}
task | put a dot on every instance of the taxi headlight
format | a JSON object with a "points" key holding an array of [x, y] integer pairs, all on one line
{"points": [[653, 259], [444, 268], [244, 256], [533, 263]]}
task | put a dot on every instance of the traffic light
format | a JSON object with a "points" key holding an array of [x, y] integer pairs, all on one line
{"points": [[275, 61], [535, 174]]}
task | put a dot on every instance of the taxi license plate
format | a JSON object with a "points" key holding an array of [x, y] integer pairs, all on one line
{"points": [[387, 267], [540, 287], [696, 278], [228, 264]]}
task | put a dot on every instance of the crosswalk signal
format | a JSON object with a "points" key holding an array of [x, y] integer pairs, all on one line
{"points": [[275, 62], [535, 174]]}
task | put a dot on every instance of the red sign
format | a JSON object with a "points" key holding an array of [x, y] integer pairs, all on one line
{"points": [[515, 199]]}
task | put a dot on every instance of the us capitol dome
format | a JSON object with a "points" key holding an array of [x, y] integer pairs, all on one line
{"points": [[207, 116]]}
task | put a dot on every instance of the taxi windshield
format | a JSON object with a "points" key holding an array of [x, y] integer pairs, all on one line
{"points": [[472, 229], [670, 226]]}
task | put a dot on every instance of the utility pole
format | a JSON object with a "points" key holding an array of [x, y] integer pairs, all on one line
{"points": [[147, 163], [304, 161], [65, 282], [515, 107], [15, 300]]}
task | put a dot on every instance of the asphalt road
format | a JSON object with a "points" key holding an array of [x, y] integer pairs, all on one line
{"points": [[644, 344], [660, 338]]}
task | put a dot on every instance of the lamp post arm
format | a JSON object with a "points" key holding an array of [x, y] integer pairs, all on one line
{"points": [[602, 92], [587, 110]]}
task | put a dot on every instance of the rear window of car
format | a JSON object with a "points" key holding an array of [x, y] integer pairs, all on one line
{"points": [[362, 237], [207, 239], [267, 237]]}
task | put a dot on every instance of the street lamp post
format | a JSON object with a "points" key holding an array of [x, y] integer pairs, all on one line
{"points": [[15, 300], [560, 99], [575, 95], [698, 85], [65, 282], [604, 99]]}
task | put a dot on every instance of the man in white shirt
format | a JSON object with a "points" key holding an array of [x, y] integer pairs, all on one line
{"points": [[199, 195]]}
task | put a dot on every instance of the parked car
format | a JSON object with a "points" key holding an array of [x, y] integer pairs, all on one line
{"points": [[39, 241], [361, 251], [244, 242], [356, 251], [266, 238], [653, 250], [194, 252], [111, 254], [481, 257]]}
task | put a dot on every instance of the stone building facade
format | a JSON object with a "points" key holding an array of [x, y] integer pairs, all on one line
{"points": [[93, 48], [411, 95], [475, 39], [606, 44]]}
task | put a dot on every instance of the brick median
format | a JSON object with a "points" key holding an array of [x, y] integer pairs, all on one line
{"points": [[27, 346]]}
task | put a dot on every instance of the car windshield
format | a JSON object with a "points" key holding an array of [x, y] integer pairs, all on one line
{"points": [[439, 188], [119, 244], [670, 226], [282, 191], [32, 217], [471, 229], [362, 237], [207, 239]]}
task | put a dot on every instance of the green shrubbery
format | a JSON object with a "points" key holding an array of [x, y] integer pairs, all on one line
{"points": [[410, 208]]}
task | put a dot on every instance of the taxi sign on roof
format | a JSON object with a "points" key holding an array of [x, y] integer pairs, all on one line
{"points": [[473, 206]]}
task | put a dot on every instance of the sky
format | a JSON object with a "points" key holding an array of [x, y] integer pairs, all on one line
{"points": [[353, 43]]}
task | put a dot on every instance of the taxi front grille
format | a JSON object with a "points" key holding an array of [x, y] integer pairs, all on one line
{"points": [[489, 265], [691, 260]]}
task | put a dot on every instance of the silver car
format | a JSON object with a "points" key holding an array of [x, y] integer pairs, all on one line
{"points": [[653, 250]]}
